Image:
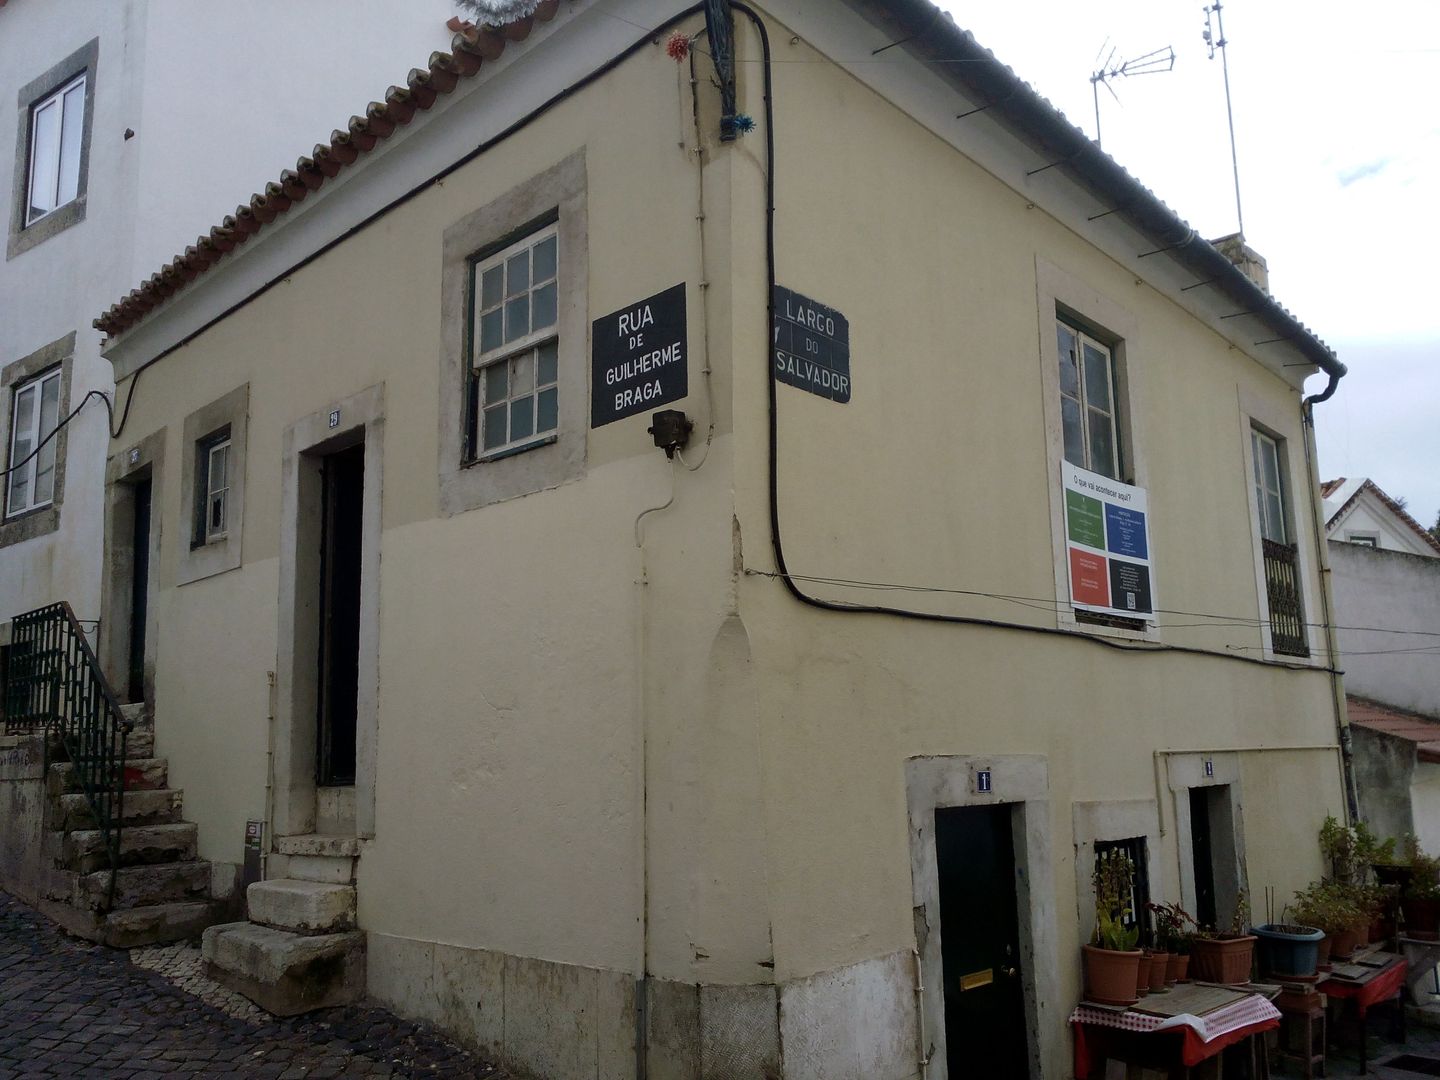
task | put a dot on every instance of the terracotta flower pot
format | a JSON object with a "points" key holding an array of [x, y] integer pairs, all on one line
{"points": [[1322, 955], [1178, 970], [1159, 970], [1142, 975], [1111, 975], [1222, 960], [1343, 942]]}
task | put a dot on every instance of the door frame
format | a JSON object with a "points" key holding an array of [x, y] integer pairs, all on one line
{"points": [[123, 470], [1186, 770], [343, 423], [1022, 782]]}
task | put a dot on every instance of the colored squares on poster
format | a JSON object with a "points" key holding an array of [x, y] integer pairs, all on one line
{"points": [[1089, 579], [1085, 521], [1129, 587], [1125, 531]]}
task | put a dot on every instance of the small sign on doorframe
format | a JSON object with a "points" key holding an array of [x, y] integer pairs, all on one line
{"points": [[1209, 768], [134, 454], [335, 418], [980, 780]]}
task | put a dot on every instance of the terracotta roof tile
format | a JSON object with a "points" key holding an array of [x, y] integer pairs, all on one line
{"points": [[1423, 731], [1329, 487], [471, 47]]}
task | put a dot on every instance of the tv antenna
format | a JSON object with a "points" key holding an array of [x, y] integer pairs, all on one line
{"points": [[1156, 62], [1214, 35]]}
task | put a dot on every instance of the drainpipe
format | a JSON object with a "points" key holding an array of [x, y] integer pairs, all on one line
{"points": [[1337, 686], [265, 841]]}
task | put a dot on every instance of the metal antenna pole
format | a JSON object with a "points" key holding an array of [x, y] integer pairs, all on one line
{"points": [[1152, 63], [1220, 43]]}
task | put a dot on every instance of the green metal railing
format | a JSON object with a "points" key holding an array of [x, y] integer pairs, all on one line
{"points": [[53, 683]]}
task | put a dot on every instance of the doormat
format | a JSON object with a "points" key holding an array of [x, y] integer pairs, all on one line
{"points": [[1414, 1063]]}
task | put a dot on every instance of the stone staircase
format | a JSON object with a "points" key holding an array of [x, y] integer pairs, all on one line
{"points": [[300, 950], [162, 891]]}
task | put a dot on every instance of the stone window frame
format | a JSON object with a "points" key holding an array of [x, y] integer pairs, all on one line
{"points": [[556, 195], [195, 561], [1061, 296], [44, 519], [1105, 822], [83, 61]]}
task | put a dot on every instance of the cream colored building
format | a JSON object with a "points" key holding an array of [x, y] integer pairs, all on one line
{"points": [[627, 787]]}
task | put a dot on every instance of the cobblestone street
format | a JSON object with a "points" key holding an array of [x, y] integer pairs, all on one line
{"points": [[71, 1009]]}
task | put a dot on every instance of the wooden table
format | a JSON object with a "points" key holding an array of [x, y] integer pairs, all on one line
{"points": [[1366, 986], [1174, 1031]]}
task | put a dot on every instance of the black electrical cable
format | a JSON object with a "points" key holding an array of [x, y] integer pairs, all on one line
{"points": [[775, 535], [109, 424]]}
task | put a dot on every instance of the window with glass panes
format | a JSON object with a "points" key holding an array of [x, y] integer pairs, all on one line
{"points": [[57, 128], [34, 414], [1269, 495], [515, 350], [1087, 401], [212, 487]]}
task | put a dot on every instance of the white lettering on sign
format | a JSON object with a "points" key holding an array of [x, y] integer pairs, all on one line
{"points": [[632, 321], [808, 316], [335, 418], [643, 365], [815, 374], [639, 395]]}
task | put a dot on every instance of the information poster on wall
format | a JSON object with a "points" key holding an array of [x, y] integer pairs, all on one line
{"points": [[1107, 545]]}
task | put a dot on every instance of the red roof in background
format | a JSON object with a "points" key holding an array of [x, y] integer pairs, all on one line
{"points": [[470, 47], [1330, 486], [1423, 731]]}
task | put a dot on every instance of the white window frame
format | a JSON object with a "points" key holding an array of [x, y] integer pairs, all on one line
{"points": [[33, 434], [524, 351], [66, 190], [1370, 540], [1273, 529], [216, 495], [1081, 398]]}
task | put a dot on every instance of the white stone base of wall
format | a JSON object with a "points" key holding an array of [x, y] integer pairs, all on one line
{"points": [[567, 1022]]}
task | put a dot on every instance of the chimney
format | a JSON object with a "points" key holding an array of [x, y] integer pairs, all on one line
{"points": [[1250, 261]]}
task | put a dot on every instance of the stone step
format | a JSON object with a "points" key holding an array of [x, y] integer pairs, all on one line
{"points": [[155, 924], [347, 847], [139, 886], [326, 869], [286, 973], [84, 850], [141, 807], [305, 907], [141, 774], [140, 744]]}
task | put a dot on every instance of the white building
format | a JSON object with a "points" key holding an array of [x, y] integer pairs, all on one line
{"points": [[1358, 512], [134, 125]]}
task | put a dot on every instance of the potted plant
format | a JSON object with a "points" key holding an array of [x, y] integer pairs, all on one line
{"points": [[1337, 910], [1173, 933], [1224, 956], [1289, 951], [1420, 896], [1112, 961]]}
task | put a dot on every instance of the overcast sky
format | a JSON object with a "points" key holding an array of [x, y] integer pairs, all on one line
{"points": [[1337, 119]]}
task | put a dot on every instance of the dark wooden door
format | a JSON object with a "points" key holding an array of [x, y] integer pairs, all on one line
{"points": [[1203, 854], [343, 487], [980, 944], [139, 591]]}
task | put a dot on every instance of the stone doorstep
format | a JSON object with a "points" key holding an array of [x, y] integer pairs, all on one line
{"points": [[153, 807], [326, 869], [284, 973], [304, 907], [318, 844], [129, 929], [84, 850]]}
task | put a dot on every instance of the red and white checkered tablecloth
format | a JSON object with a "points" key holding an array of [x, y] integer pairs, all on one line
{"points": [[1251, 1009], [1200, 1036]]}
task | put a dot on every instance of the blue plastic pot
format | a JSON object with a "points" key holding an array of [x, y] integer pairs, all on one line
{"points": [[1288, 952]]}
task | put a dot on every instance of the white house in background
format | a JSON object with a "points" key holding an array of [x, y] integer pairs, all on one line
{"points": [[1358, 512], [132, 124]]}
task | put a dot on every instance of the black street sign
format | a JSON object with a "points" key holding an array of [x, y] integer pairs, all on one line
{"points": [[812, 346], [638, 358]]}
